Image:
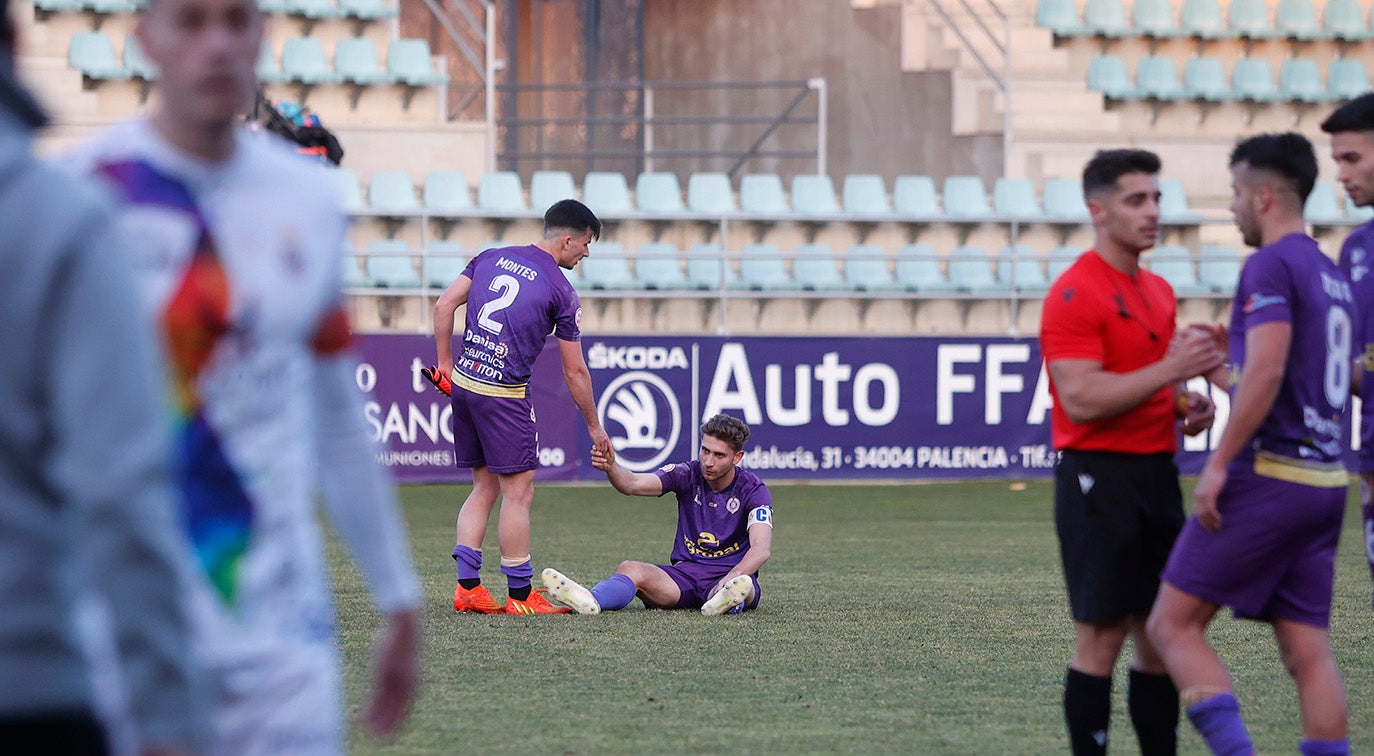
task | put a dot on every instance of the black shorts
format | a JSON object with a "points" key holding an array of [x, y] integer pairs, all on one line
{"points": [[1117, 516]]}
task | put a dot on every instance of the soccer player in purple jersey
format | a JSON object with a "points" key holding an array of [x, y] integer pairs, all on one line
{"points": [[1351, 128], [515, 297], [1269, 502], [724, 533]]}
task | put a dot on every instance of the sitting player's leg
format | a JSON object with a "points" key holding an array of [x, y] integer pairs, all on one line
{"points": [[470, 595], [569, 592], [653, 584], [732, 597]]}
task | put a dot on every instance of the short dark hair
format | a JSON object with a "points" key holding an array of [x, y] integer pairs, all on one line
{"points": [[731, 430], [1356, 115], [1289, 155], [1101, 173], [572, 215]]}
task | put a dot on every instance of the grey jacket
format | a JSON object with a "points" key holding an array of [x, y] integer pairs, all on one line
{"points": [[86, 503]]}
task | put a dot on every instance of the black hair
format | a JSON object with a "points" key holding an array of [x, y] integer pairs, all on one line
{"points": [[1101, 173], [1356, 115], [731, 430], [1289, 156], [572, 215]]}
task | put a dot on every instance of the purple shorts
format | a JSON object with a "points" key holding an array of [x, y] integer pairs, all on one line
{"points": [[494, 432], [1274, 556], [696, 580]]}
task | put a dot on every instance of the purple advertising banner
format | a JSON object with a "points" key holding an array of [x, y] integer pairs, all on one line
{"points": [[842, 408]]}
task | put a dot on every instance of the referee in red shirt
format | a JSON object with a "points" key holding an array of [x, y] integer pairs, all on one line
{"points": [[1116, 371]]}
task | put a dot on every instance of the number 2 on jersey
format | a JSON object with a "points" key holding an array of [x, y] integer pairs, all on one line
{"points": [[509, 288]]}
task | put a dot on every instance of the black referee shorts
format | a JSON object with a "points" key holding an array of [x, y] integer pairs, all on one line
{"points": [[1117, 516]]}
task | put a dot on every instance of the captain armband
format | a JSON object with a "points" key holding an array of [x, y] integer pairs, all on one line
{"points": [[761, 516]]}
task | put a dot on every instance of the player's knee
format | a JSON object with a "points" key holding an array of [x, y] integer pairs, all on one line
{"points": [[630, 569], [1159, 630]]}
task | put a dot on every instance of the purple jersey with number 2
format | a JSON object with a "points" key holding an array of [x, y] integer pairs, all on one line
{"points": [[519, 296], [1291, 281], [713, 526]]}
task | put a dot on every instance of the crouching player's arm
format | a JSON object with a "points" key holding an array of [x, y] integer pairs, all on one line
{"points": [[760, 545], [624, 481]]}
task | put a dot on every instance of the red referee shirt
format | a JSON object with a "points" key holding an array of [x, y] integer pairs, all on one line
{"points": [[1096, 312]]}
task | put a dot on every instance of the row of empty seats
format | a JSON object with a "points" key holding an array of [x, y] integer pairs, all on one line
{"points": [[1204, 79], [1297, 20], [363, 10], [916, 269]]}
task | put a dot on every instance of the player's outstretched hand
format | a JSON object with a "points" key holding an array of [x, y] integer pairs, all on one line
{"points": [[439, 379], [397, 670], [603, 458]]}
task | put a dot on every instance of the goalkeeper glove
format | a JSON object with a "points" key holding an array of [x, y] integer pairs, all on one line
{"points": [[439, 380]]}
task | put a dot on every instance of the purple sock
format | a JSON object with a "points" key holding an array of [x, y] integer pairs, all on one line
{"points": [[517, 575], [1313, 747], [469, 562], [615, 592], [1217, 719]]}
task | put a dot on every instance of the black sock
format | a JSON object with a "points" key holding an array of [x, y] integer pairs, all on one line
{"points": [[519, 594], [1088, 712], [1153, 703], [470, 583]]}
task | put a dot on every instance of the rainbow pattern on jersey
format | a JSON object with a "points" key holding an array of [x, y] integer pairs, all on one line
{"points": [[217, 512]]}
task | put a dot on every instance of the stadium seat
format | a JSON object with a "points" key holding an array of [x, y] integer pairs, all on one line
{"points": [[1061, 259], [303, 60], [1106, 18], [918, 270], [500, 192], [606, 268], [1059, 16], [761, 268], [1173, 202], [1156, 78], [1300, 80], [814, 195], [706, 264], [1322, 206], [58, 6], [366, 10], [355, 61], [272, 6], [1297, 19], [1357, 214], [93, 55], [964, 197], [915, 195], [1107, 74], [267, 68], [443, 263], [389, 266], [710, 193], [1346, 79], [136, 62], [657, 267], [606, 193], [1204, 79], [392, 192], [865, 269], [1154, 19], [109, 7], [814, 268], [1252, 80], [1203, 19], [1344, 20], [761, 194], [447, 191], [970, 270], [1218, 269], [1064, 200], [1174, 265], [312, 9], [409, 61], [865, 194], [1249, 19], [1014, 198], [350, 190], [548, 187], [1019, 269], [351, 275], [659, 194]]}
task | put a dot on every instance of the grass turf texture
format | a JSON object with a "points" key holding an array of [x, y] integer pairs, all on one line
{"points": [[895, 618]]}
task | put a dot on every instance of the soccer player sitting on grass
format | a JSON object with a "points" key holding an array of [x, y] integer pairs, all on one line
{"points": [[724, 533]]}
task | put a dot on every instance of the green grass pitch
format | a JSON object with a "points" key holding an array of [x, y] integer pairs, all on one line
{"points": [[924, 619]]}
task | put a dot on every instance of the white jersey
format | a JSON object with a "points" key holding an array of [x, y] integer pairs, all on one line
{"points": [[239, 264]]}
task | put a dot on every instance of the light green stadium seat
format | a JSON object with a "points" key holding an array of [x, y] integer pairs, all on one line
{"points": [[1346, 79], [108, 7], [1249, 19], [313, 9], [1107, 74], [659, 193], [606, 193], [705, 266], [1204, 78], [1154, 18], [410, 63], [1357, 214], [548, 187], [443, 263], [1218, 269], [1015, 198], [1345, 20], [710, 193], [813, 195], [761, 194], [303, 60], [918, 270], [1064, 200], [915, 195], [389, 266], [1106, 18], [391, 191], [965, 197], [58, 6], [136, 62], [814, 268], [350, 190], [970, 270], [1203, 19], [865, 194], [1059, 16], [606, 268], [1061, 259], [1020, 269], [267, 68], [447, 191], [761, 268], [1297, 19], [1156, 78], [1322, 206], [1300, 80], [1175, 265], [865, 269], [367, 10], [1173, 202], [93, 55], [500, 192], [1253, 80], [658, 267], [355, 61], [351, 274]]}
